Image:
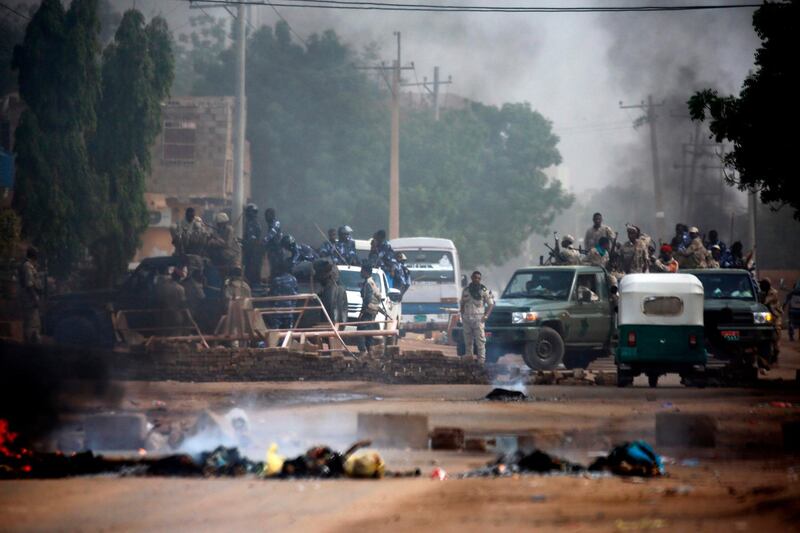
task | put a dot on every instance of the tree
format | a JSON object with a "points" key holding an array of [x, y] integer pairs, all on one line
{"points": [[319, 138], [137, 75], [11, 33], [59, 80], [758, 122]]}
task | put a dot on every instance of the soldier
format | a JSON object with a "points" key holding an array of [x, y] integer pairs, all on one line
{"points": [[634, 251], [272, 238], [732, 258], [283, 284], [695, 254], [189, 235], [381, 254], [370, 307], [597, 230], [681, 240], [665, 262], [195, 293], [598, 255], [30, 295], [769, 297], [476, 305], [252, 251], [402, 275], [714, 256], [223, 246], [171, 300], [713, 239], [567, 254], [297, 252], [328, 248], [235, 287], [346, 248], [792, 304]]}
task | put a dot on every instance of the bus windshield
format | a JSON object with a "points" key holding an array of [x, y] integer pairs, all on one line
{"points": [[430, 266], [544, 284]]}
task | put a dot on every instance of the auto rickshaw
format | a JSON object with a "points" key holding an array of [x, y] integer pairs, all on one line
{"points": [[660, 326]]}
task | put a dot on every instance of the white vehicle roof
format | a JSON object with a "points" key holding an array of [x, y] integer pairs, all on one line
{"points": [[410, 243], [637, 289]]}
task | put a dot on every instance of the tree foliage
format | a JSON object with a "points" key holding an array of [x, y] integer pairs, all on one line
{"points": [[758, 122], [319, 139], [83, 142], [137, 74]]}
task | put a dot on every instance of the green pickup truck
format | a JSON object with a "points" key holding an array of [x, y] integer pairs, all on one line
{"points": [[738, 328], [553, 315]]}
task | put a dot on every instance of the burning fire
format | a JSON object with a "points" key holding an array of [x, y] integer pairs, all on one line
{"points": [[8, 451], [7, 437]]}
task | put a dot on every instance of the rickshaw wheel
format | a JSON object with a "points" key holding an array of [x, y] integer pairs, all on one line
{"points": [[652, 380], [547, 353]]}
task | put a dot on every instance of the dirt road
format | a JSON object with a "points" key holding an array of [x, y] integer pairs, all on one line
{"points": [[746, 483]]}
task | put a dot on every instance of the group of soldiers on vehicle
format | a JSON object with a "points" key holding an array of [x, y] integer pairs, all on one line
{"points": [[687, 250]]}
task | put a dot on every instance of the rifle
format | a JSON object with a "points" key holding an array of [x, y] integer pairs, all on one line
{"points": [[335, 249]]}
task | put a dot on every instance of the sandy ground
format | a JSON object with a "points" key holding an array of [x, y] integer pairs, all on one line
{"points": [[746, 483]]}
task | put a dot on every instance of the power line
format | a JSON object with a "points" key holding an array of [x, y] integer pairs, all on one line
{"points": [[397, 6], [14, 11], [287, 23]]}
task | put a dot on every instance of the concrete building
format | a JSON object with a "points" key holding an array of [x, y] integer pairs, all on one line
{"points": [[192, 165]]}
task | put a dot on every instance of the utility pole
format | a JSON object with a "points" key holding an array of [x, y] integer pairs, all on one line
{"points": [[433, 89], [650, 117], [394, 159], [239, 138]]}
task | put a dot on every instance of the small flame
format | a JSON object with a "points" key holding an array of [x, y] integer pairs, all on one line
{"points": [[7, 437], [142, 452]]}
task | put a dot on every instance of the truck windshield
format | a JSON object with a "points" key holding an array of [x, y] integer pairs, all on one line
{"points": [[351, 280], [430, 266], [545, 284], [727, 286]]}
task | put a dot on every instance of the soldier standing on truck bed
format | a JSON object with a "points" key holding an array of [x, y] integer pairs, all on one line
{"points": [[476, 305], [31, 291], [598, 230]]}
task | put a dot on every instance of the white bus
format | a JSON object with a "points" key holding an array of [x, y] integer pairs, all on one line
{"points": [[435, 282]]}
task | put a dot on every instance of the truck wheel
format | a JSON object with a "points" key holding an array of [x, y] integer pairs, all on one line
{"points": [[624, 379], [652, 380], [547, 353], [75, 331]]}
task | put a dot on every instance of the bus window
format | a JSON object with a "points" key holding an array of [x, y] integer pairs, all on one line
{"points": [[430, 266]]}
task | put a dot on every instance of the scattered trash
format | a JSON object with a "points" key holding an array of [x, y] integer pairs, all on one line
{"points": [[438, 473], [158, 405], [505, 395], [629, 459]]}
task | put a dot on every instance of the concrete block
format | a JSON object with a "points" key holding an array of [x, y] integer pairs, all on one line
{"points": [[685, 430], [394, 430], [447, 439], [125, 431]]}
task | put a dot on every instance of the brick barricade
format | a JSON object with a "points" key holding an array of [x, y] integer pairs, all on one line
{"points": [[185, 363]]}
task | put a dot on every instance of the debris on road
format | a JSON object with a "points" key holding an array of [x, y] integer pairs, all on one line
{"points": [[447, 439], [506, 395]]}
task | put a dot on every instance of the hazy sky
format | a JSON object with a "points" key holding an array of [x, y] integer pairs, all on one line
{"points": [[573, 68]]}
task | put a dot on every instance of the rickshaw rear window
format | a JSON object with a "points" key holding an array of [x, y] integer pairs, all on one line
{"points": [[662, 305]]}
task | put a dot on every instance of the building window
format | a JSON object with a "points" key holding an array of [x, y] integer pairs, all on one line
{"points": [[179, 140]]}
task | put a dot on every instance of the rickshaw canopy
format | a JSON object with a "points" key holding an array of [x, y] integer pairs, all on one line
{"points": [[661, 299]]}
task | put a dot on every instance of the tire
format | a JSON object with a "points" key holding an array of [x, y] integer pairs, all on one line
{"points": [[76, 331], [652, 380], [546, 353]]}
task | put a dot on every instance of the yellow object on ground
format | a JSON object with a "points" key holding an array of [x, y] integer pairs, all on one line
{"points": [[365, 464], [274, 462]]}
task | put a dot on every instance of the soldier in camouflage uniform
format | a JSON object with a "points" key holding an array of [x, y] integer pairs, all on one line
{"points": [[223, 247], [769, 297], [476, 306], [189, 235], [694, 256], [634, 252], [30, 294], [370, 307], [597, 230], [327, 249], [346, 253], [567, 254]]}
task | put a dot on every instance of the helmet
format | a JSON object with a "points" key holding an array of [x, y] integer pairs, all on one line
{"points": [[345, 230], [221, 218], [251, 208], [287, 241], [568, 238], [694, 229], [401, 256]]}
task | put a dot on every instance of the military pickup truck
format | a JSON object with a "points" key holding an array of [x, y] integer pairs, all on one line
{"points": [[737, 327], [553, 315]]}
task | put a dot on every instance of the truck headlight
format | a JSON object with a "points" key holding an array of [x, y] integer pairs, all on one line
{"points": [[762, 318], [523, 317]]}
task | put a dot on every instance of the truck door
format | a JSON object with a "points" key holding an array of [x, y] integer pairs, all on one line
{"points": [[589, 310]]}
